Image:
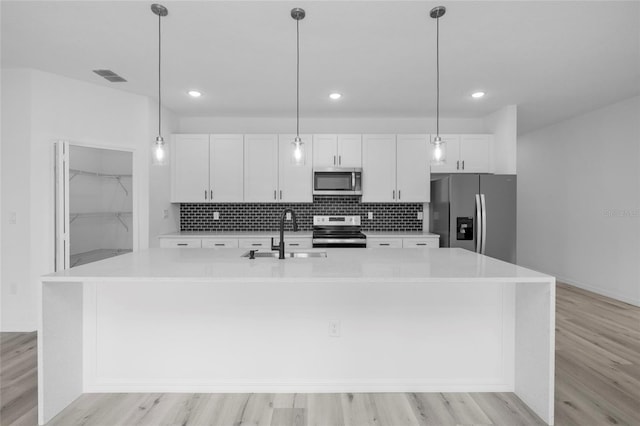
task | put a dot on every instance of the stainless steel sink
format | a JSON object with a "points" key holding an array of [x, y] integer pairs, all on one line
{"points": [[274, 254]]}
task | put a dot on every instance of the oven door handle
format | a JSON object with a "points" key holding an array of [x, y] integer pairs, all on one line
{"points": [[338, 240]]}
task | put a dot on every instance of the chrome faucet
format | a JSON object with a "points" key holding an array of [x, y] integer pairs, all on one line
{"points": [[280, 247]]}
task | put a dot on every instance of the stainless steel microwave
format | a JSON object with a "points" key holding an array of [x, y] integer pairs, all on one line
{"points": [[337, 181]]}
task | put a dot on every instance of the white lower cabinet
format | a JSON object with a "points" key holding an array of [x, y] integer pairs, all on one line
{"points": [[295, 243], [255, 243], [384, 242], [180, 243], [219, 243], [420, 243]]}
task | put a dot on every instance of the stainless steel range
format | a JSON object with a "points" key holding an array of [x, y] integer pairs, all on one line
{"points": [[338, 231]]}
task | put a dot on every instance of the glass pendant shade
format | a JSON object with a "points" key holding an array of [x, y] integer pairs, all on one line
{"points": [[159, 155], [298, 151], [438, 156]]}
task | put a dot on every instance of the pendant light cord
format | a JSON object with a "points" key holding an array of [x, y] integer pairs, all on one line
{"points": [[298, 78], [438, 77], [159, 75]]}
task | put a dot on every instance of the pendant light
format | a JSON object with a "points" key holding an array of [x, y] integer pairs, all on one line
{"points": [[159, 154], [297, 144], [438, 156]]}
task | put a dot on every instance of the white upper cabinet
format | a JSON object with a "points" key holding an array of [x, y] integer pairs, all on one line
{"points": [[206, 168], [226, 168], [412, 168], [330, 150], [465, 154], [190, 168], [475, 152], [261, 168], [395, 168], [378, 168], [295, 183]]}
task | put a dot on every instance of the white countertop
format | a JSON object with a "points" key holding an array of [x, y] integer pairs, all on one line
{"points": [[236, 234], [290, 234], [340, 265], [398, 234]]}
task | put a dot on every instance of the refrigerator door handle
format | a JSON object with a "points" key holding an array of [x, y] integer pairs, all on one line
{"points": [[478, 224], [483, 202]]}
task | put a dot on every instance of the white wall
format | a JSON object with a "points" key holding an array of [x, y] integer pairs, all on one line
{"points": [[329, 125], [504, 126], [579, 200], [45, 108]]}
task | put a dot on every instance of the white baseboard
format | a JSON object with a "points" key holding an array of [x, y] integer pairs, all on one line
{"points": [[597, 290]]}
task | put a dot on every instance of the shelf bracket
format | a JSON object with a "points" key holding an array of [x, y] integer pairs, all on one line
{"points": [[123, 187], [119, 216]]}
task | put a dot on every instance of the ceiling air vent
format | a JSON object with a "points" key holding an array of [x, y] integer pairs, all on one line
{"points": [[110, 75]]}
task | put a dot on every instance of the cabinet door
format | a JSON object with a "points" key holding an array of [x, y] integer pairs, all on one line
{"points": [[384, 242], [219, 243], [350, 150], [452, 154], [260, 168], [295, 181], [474, 153], [190, 169], [378, 168], [226, 168], [325, 151], [412, 169]]}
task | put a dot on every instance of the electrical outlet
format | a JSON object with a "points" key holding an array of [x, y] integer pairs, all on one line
{"points": [[370, 215], [288, 215], [13, 218], [420, 216], [216, 215], [165, 214], [334, 328]]}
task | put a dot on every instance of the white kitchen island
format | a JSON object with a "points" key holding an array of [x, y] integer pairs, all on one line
{"points": [[205, 320]]}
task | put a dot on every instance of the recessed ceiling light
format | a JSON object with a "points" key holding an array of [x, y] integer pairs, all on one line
{"points": [[335, 96], [477, 95], [194, 93]]}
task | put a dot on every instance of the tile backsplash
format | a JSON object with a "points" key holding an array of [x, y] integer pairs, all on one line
{"points": [[266, 216]]}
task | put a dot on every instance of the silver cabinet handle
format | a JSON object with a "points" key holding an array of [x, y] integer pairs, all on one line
{"points": [[281, 194], [294, 244], [257, 244], [334, 160], [458, 165], [205, 194], [399, 194], [339, 160], [383, 244], [394, 194], [211, 198], [219, 244], [462, 164], [421, 244], [275, 197], [182, 244]]}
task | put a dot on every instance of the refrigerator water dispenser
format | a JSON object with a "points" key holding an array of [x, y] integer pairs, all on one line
{"points": [[464, 228]]}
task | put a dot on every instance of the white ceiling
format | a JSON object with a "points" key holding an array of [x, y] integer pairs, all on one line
{"points": [[554, 59]]}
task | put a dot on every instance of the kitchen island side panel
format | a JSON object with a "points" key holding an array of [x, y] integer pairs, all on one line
{"points": [[274, 337]]}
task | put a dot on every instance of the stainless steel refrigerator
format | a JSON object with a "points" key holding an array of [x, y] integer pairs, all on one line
{"points": [[475, 212]]}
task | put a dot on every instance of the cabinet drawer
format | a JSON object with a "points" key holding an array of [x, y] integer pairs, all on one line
{"points": [[420, 243], [219, 243], [180, 243], [252, 243], [384, 243], [295, 243]]}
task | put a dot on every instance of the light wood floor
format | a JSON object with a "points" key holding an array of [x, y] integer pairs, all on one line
{"points": [[597, 383]]}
